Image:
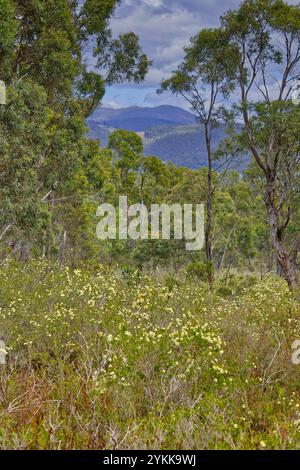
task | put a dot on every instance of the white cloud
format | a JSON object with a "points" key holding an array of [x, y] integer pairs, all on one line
{"points": [[164, 28], [154, 3], [162, 36], [112, 104]]}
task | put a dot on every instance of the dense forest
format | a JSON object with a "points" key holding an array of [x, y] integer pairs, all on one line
{"points": [[53, 177], [194, 347]]}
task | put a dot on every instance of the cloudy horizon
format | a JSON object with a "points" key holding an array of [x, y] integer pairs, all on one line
{"points": [[164, 28]]}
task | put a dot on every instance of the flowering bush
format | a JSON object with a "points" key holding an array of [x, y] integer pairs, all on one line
{"points": [[95, 361]]}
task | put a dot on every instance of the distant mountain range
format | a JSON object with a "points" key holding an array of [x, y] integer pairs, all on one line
{"points": [[139, 119], [168, 132]]}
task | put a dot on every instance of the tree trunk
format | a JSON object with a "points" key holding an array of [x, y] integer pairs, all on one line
{"points": [[285, 261], [62, 248], [209, 211], [24, 251], [270, 256]]}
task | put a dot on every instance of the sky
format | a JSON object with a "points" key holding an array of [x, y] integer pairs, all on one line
{"points": [[164, 28]]}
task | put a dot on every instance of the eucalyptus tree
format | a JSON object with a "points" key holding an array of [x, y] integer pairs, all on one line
{"points": [[45, 47], [127, 148], [51, 41], [266, 36], [8, 30], [204, 79]]}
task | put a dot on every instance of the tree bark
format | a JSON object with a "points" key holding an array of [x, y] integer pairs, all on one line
{"points": [[286, 262], [24, 251], [209, 210], [2, 235]]}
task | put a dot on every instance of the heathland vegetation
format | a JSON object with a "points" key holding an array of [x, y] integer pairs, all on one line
{"points": [[133, 344]]}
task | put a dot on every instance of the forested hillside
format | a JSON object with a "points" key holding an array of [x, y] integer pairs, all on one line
{"points": [[139, 119], [173, 136], [53, 177]]}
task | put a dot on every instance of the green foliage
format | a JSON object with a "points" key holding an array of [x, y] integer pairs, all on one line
{"points": [[198, 270], [136, 350], [187, 367], [8, 30], [128, 149], [122, 59], [48, 166], [208, 70]]}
